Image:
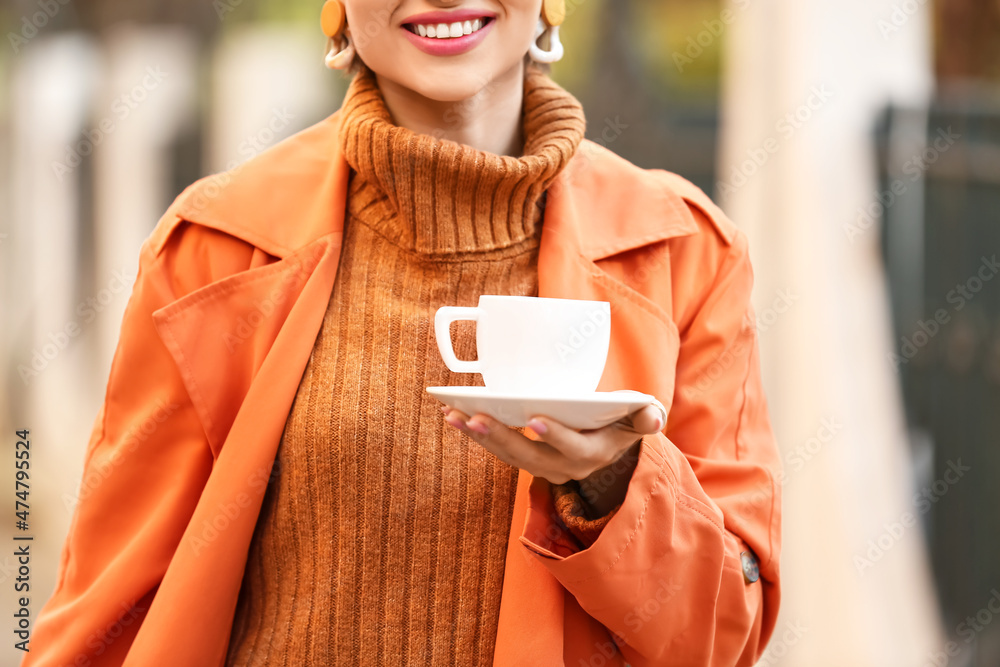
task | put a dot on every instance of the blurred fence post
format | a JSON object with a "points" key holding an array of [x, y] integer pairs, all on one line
{"points": [[268, 82], [803, 85], [46, 372], [148, 100]]}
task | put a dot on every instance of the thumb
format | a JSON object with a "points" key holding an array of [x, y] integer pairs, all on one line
{"points": [[649, 419]]}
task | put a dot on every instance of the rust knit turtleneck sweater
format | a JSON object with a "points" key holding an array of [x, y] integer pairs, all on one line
{"points": [[382, 539]]}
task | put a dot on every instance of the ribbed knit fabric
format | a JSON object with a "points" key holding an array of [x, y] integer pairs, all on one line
{"points": [[382, 537]]}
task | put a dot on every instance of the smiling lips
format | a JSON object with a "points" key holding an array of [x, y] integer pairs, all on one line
{"points": [[447, 33], [447, 30]]}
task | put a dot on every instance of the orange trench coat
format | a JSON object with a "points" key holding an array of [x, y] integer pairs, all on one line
{"points": [[232, 287]]}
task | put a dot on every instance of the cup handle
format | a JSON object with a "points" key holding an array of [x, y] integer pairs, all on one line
{"points": [[442, 331]]}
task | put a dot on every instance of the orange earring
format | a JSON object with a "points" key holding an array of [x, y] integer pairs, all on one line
{"points": [[553, 12], [333, 20]]}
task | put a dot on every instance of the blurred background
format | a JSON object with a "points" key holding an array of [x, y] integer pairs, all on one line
{"points": [[857, 142]]}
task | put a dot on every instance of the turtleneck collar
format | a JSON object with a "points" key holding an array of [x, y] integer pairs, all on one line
{"points": [[434, 195]]}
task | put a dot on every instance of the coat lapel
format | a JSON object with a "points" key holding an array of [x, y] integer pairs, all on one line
{"points": [[242, 343], [245, 386], [220, 336]]}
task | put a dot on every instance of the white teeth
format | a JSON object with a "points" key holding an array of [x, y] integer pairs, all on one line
{"points": [[448, 30]]}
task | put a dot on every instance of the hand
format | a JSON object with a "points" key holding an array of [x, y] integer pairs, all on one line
{"points": [[562, 454]]}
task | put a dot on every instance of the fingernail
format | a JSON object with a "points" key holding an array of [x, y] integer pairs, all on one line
{"points": [[478, 427], [537, 426], [456, 422], [659, 423], [445, 408]]}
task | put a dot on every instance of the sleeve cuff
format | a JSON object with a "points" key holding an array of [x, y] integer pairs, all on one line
{"points": [[549, 536], [572, 511]]}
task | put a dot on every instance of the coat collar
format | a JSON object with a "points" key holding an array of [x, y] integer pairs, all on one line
{"points": [[617, 206]]}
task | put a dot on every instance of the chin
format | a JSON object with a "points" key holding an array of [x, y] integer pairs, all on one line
{"points": [[445, 86], [449, 80]]}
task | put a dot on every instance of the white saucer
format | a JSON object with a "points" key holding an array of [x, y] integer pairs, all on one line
{"points": [[579, 411]]}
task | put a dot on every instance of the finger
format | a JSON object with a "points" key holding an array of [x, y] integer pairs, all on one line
{"points": [[572, 444], [456, 418], [595, 448], [647, 420], [513, 447]]}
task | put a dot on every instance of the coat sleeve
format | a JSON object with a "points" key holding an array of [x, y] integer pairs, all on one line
{"points": [[664, 576], [146, 462]]}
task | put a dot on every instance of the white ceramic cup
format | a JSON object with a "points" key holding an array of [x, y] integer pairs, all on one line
{"points": [[532, 345]]}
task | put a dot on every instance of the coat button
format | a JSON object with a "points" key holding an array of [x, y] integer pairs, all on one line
{"points": [[751, 568]]}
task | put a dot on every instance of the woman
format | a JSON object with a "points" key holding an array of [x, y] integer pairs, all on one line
{"points": [[269, 483]]}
